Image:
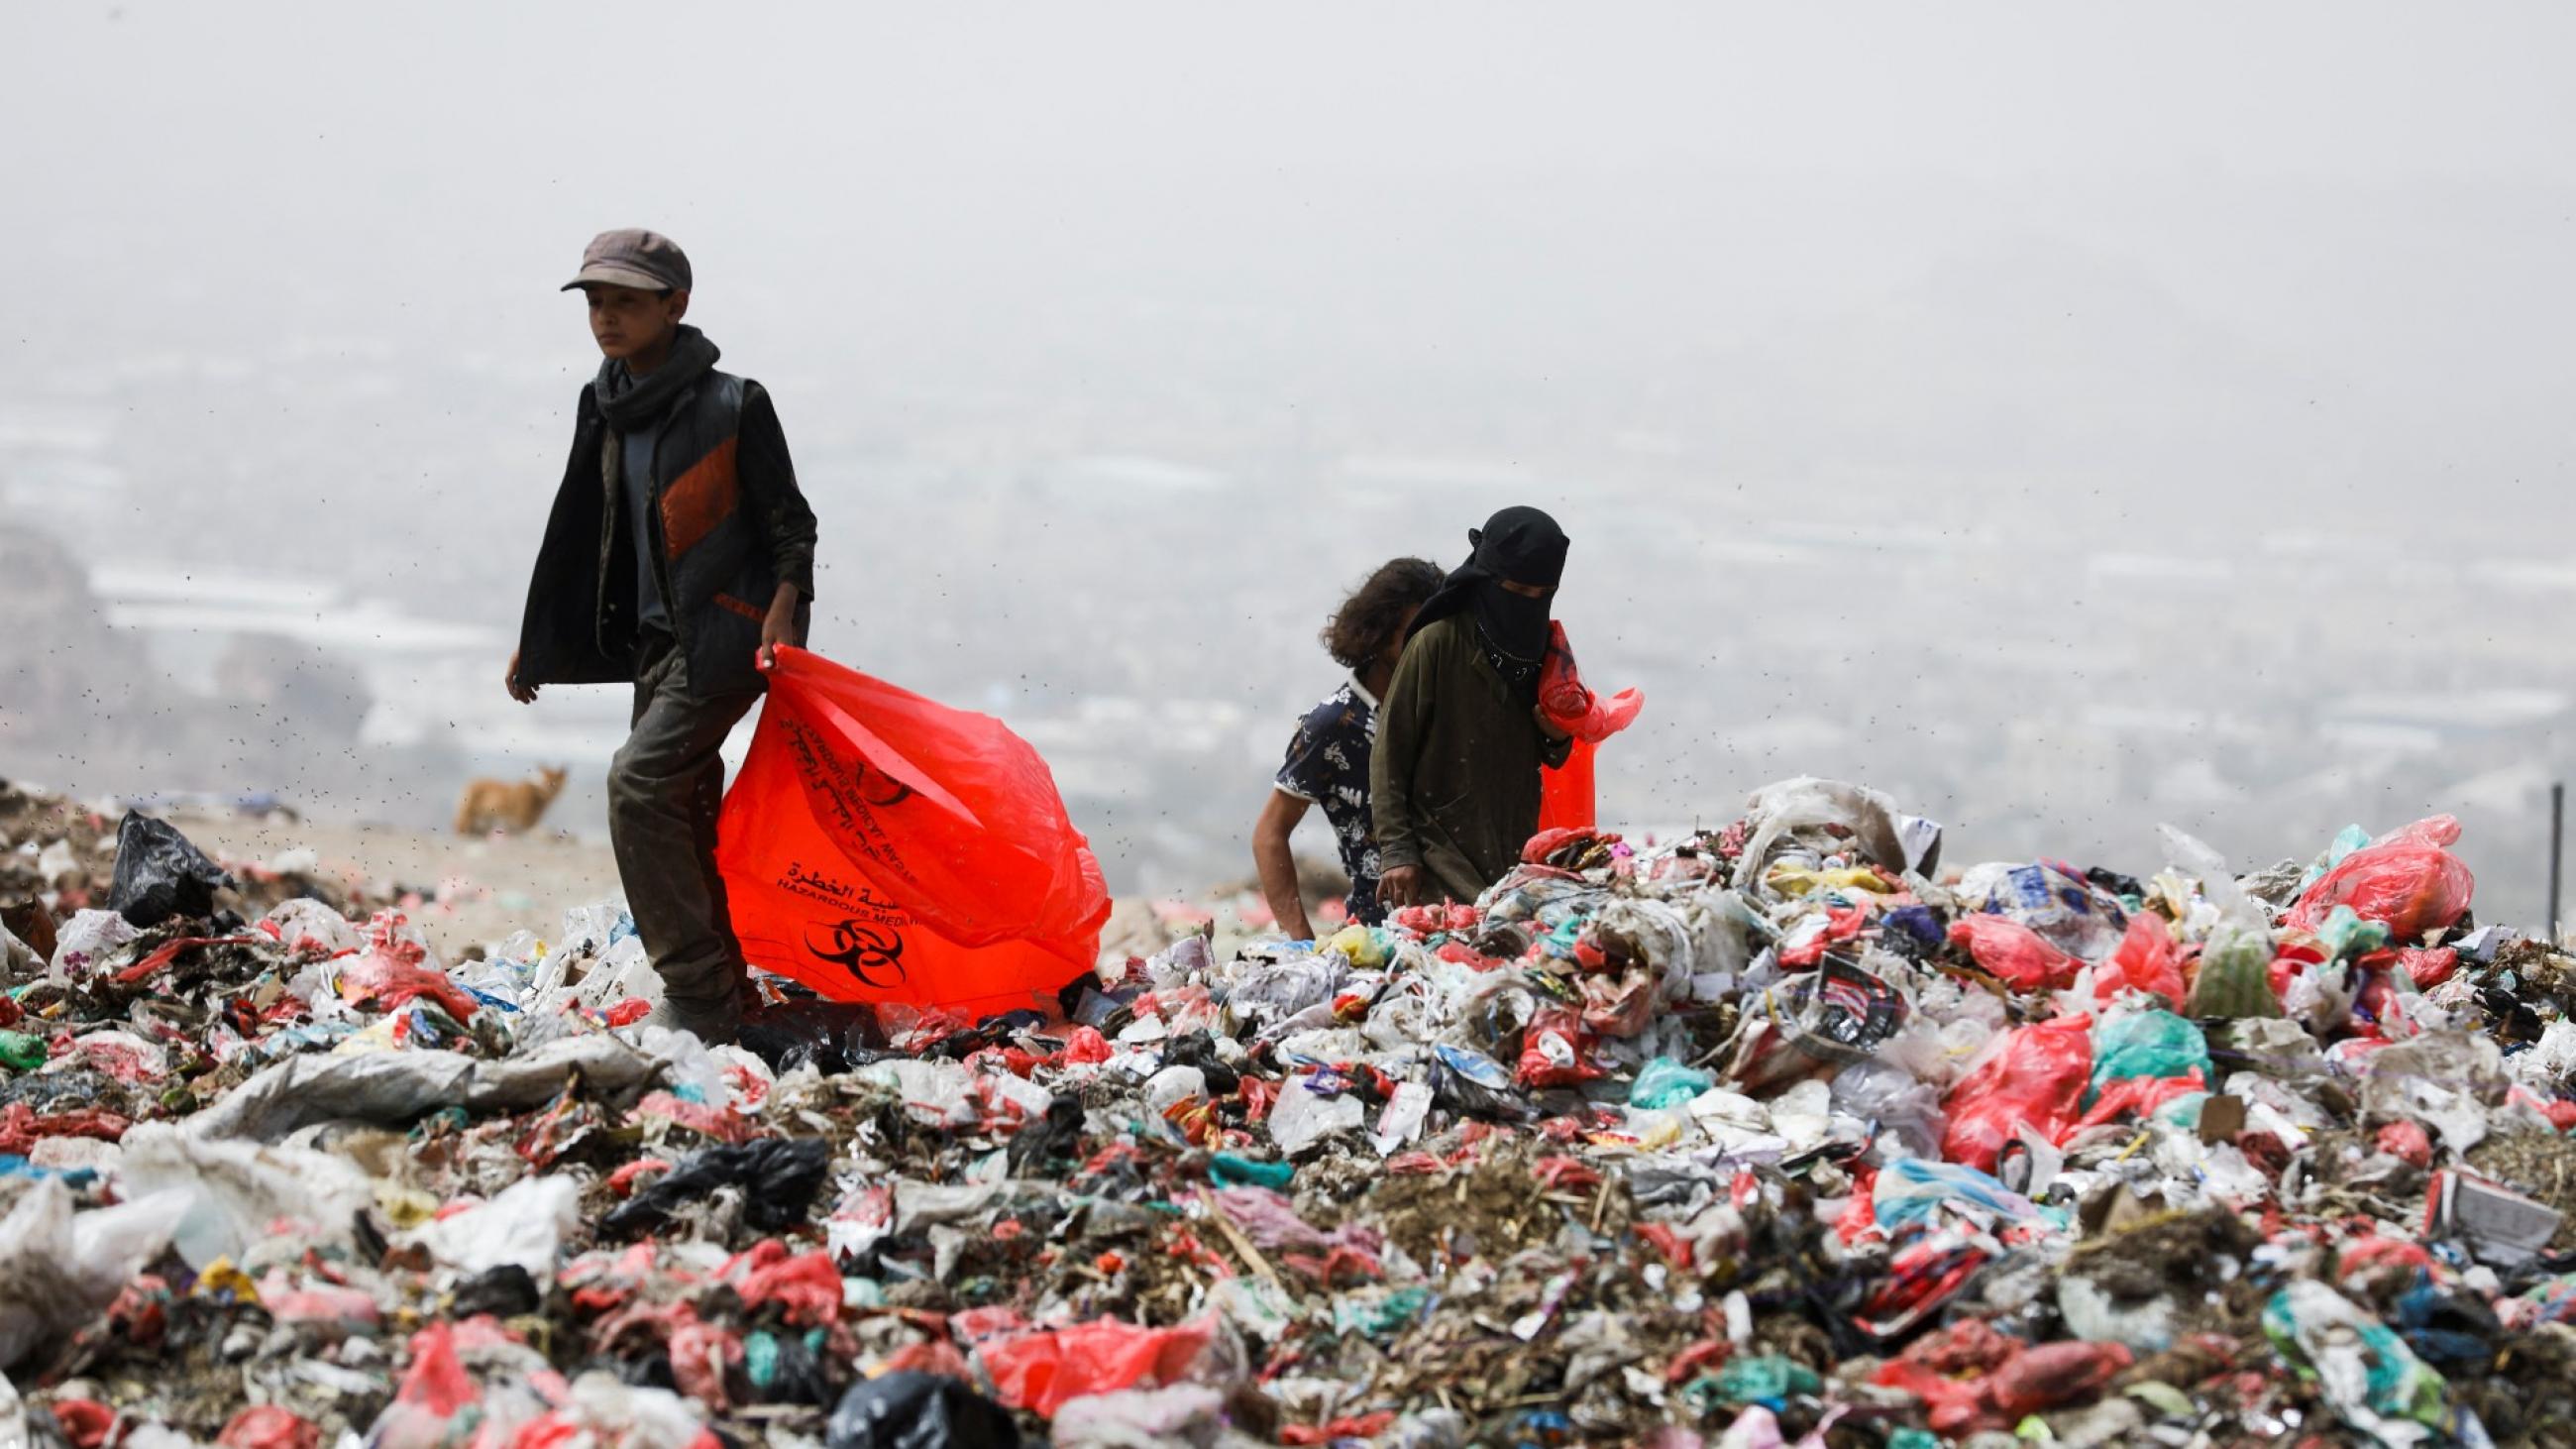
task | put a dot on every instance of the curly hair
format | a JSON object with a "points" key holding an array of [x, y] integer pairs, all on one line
{"points": [[1366, 622]]}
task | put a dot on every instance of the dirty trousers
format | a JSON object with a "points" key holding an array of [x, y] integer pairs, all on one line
{"points": [[664, 791]]}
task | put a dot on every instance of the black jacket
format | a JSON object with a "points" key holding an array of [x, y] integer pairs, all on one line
{"points": [[730, 525]]}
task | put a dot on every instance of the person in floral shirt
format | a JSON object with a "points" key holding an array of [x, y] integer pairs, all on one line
{"points": [[1328, 760]]}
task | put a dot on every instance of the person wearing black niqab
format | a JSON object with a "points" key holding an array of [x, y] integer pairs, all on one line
{"points": [[1455, 777]]}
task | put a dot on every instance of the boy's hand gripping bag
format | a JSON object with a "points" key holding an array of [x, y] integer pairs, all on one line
{"points": [[882, 847]]}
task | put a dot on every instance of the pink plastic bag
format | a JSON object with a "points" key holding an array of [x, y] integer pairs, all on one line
{"points": [[2407, 880], [2147, 961], [2035, 1074], [1571, 705], [1040, 1371], [2015, 953]]}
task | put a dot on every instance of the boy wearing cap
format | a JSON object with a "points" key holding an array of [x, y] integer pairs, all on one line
{"points": [[680, 553]]}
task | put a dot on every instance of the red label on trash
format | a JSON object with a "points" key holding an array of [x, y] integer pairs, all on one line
{"points": [[881, 847]]}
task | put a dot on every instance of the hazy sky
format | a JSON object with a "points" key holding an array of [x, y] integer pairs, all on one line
{"points": [[464, 148]]}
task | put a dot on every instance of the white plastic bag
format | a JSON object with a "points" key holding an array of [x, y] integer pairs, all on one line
{"points": [[525, 1226], [60, 1268], [233, 1192], [1303, 1116]]}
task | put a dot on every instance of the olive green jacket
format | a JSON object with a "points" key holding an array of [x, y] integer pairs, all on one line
{"points": [[1454, 780]]}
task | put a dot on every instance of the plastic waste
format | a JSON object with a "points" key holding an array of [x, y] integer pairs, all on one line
{"points": [[400, 1087], [1662, 1083], [235, 1194], [2147, 960], [523, 1228], [878, 846], [1566, 792], [1305, 1115], [1191, 1414], [2033, 1074], [2367, 1372], [1905, 1109], [2014, 953], [911, 1410], [160, 873], [88, 939], [2145, 1044], [2235, 974], [269, 1426], [1040, 1371], [2406, 880], [779, 1178], [1868, 818], [59, 1268]]}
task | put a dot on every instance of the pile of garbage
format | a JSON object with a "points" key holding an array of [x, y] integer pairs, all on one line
{"points": [[1775, 1134]]}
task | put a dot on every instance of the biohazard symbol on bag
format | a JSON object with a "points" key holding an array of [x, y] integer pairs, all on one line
{"points": [[878, 846]]}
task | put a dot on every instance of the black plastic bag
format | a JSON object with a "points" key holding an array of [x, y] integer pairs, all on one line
{"points": [[505, 1291], [830, 1036], [779, 1178], [160, 874], [912, 1410]]}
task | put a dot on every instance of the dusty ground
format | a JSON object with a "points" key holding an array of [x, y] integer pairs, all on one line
{"points": [[474, 891]]}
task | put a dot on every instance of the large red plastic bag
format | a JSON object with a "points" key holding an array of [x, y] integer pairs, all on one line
{"points": [[1567, 792], [2015, 953], [1040, 1371], [2407, 880], [882, 847], [2035, 1074]]}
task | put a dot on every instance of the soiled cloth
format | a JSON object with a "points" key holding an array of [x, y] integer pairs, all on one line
{"points": [[1454, 785]]}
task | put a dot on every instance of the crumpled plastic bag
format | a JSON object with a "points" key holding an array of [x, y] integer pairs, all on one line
{"points": [[1303, 1116], [779, 1177], [524, 1227], [2017, 955], [1040, 1371], [88, 939], [397, 1087], [2406, 880], [232, 1193], [1906, 1110], [2147, 960], [2034, 1074], [1571, 705], [2149, 1043], [160, 873], [909, 1409], [2448, 1080], [1890, 840], [60, 1268]]}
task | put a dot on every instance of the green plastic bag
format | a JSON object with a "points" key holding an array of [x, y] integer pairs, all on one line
{"points": [[1663, 1082], [20, 1051], [1765, 1379], [2345, 935], [2145, 1044], [2235, 974]]}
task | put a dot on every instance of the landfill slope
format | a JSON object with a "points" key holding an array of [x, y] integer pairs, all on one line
{"points": [[1785, 1132]]}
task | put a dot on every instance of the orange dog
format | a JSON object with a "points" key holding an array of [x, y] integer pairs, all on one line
{"points": [[511, 806]]}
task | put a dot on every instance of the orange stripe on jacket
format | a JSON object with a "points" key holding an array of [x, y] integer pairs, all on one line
{"points": [[698, 500]]}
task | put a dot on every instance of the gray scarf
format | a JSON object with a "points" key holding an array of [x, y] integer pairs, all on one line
{"points": [[630, 402]]}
